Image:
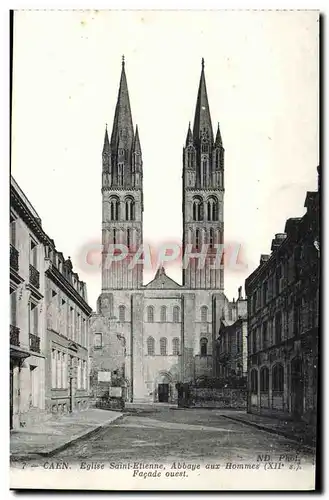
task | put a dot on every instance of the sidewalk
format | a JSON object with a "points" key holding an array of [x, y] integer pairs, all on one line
{"points": [[301, 432], [57, 433]]}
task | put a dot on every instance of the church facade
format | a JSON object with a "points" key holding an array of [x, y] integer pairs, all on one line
{"points": [[168, 329]]}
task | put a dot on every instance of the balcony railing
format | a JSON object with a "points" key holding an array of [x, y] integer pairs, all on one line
{"points": [[34, 277], [14, 335], [34, 343], [14, 258]]}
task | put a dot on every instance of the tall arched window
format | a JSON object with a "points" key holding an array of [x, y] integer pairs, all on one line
{"points": [[190, 157], [114, 208], [175, 314], [197, 209], [130, 209], [150, 346], [204, 146], [203, 346], [264, 379], [211, 238], [175, 346], [197, 239], [204, 179], [114, 236], [163, 346], [128, 238], [277, 378], [163, 313], [122, 314], [254, 381], [150, 314], [212, 209], [120, 174], [204, 314]]}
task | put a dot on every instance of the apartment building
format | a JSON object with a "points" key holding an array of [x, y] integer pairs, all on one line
{"points": [[49, 321], [68, 313], [283, 321], [27, 311]]}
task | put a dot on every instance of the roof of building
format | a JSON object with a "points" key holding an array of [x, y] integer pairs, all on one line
{"points": [[161, 281]]}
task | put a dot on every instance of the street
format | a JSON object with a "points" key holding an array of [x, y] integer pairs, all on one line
{"points": [[196, 435]]}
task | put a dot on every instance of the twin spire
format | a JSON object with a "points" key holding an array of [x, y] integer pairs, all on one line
{"points": [[123, 133]]}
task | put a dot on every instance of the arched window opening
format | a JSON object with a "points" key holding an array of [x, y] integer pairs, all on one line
{"points": [[215, 211], [150, 346], [176, 314], [150, 314], [211, 238], [209, 210], [254, 381], [163, 346], [120, 174], [130, 209], [128, 238], [212, 209], [175, 346], [163, 313], [114, 236], [114, 209], [197, 239], [194, 211], [203, 346], [204, 172], [204, 147], [204, 314], [190, 157], [277, 378], [197, 209], [122, 314], [264, 379]]}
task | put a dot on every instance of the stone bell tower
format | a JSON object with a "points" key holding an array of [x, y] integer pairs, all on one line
{"points": [[122, 197], [203, 195]]}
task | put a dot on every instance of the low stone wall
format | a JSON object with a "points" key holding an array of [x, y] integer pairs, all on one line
{"points": [[219, 398]]}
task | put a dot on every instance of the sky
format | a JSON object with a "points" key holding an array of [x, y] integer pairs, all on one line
{"points": [[262, 79]]}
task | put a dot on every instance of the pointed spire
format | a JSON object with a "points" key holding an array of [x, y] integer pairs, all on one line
{"points": [[122, 124], [106, 147], [137, 145], [218, 140], [202, 119], [189, 137]]}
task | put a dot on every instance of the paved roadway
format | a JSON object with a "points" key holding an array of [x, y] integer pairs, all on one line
{"points": [[196, 435]]}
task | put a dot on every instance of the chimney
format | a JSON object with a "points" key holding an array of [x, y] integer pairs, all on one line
{"points": [[278, 239], [240, 293]]}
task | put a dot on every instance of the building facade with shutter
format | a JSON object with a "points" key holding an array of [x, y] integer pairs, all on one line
{"points": [[48, 324], [283, 321], [67, 359], [27, 311], [168, 328]]}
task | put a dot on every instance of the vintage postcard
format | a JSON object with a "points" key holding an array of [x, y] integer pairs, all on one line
{"points": [[159, 341]]}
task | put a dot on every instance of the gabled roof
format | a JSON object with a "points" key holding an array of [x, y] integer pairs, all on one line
{"points": [[161, 281]]}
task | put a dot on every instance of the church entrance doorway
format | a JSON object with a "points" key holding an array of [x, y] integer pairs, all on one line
{"points": [[163, 393]]}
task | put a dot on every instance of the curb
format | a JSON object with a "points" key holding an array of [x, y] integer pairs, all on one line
{"points": [[272, 431], [16, 457]]}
